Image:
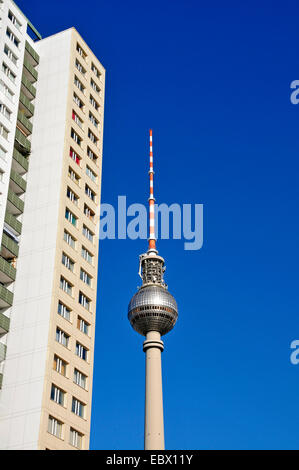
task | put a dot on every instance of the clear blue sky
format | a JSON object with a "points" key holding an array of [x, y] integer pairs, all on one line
{"points": [[213, 81]]}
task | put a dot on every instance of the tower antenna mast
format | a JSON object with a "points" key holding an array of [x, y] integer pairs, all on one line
{"points": [[152, 235]]}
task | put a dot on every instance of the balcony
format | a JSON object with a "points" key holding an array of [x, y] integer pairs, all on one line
{"points": [[22, 142], [17, 183], [29, 71], [24, 123], [28, 89], [13, 223], [6, 300], [4, 326], [7, 272], [15, 205], [26, 106], [19, 163], [9, 248], [2, 351], [33, 56]]}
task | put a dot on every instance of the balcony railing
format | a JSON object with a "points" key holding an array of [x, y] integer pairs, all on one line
{"points": [[22, 140], [32, 52], [10, 245], [26, 103], [15, 200], [13, 223], [18, 157], [2, 350], [18, 180], [7, 297], [25, 122], [4, 324], [7, 269], [30, 69], [28, 85]]}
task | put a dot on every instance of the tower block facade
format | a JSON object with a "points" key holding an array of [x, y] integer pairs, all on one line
{"points": [[153, 312], [46, 396]]}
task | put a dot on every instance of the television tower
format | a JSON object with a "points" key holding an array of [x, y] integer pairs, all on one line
{"points": [[152, 312]]}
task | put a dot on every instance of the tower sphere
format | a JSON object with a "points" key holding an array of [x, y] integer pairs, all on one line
{"points": [[152, 308]]}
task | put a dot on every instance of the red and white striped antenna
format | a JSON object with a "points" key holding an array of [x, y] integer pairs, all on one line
{"points": [[152, 236]]}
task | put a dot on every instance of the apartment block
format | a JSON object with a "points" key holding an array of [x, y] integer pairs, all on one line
{"points": [[47, 358]]}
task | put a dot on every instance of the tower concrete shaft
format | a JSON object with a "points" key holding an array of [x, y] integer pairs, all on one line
{"points": [[154, 421]]}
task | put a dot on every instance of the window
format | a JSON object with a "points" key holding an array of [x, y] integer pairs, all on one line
{"points": [[66, 286], [79, 84], [92, 155], [8, 72], [64, 311], [55, 427], [3, 153], [86, 255], [80, 379], [14, 20], [94, 121], [76, 138], [80, 67], [5, 111], [81, 351], [87, 233], [77, 120], [76, 438], [83, 326], [12, 37], [60, 365], [72, 196], [4, 132], [89, 213], [69, 239], [78, 407], [74, 156], [94, 86], [67, 262], [74, 177], [91, 174], [92, 137], [89, 192], [7, 92], [93, 102], [78, 102], [81, 52], [86, 278], [62, 337], [57, 395], [95, 70], [70, 217], [10, 54], [84, 301]]}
